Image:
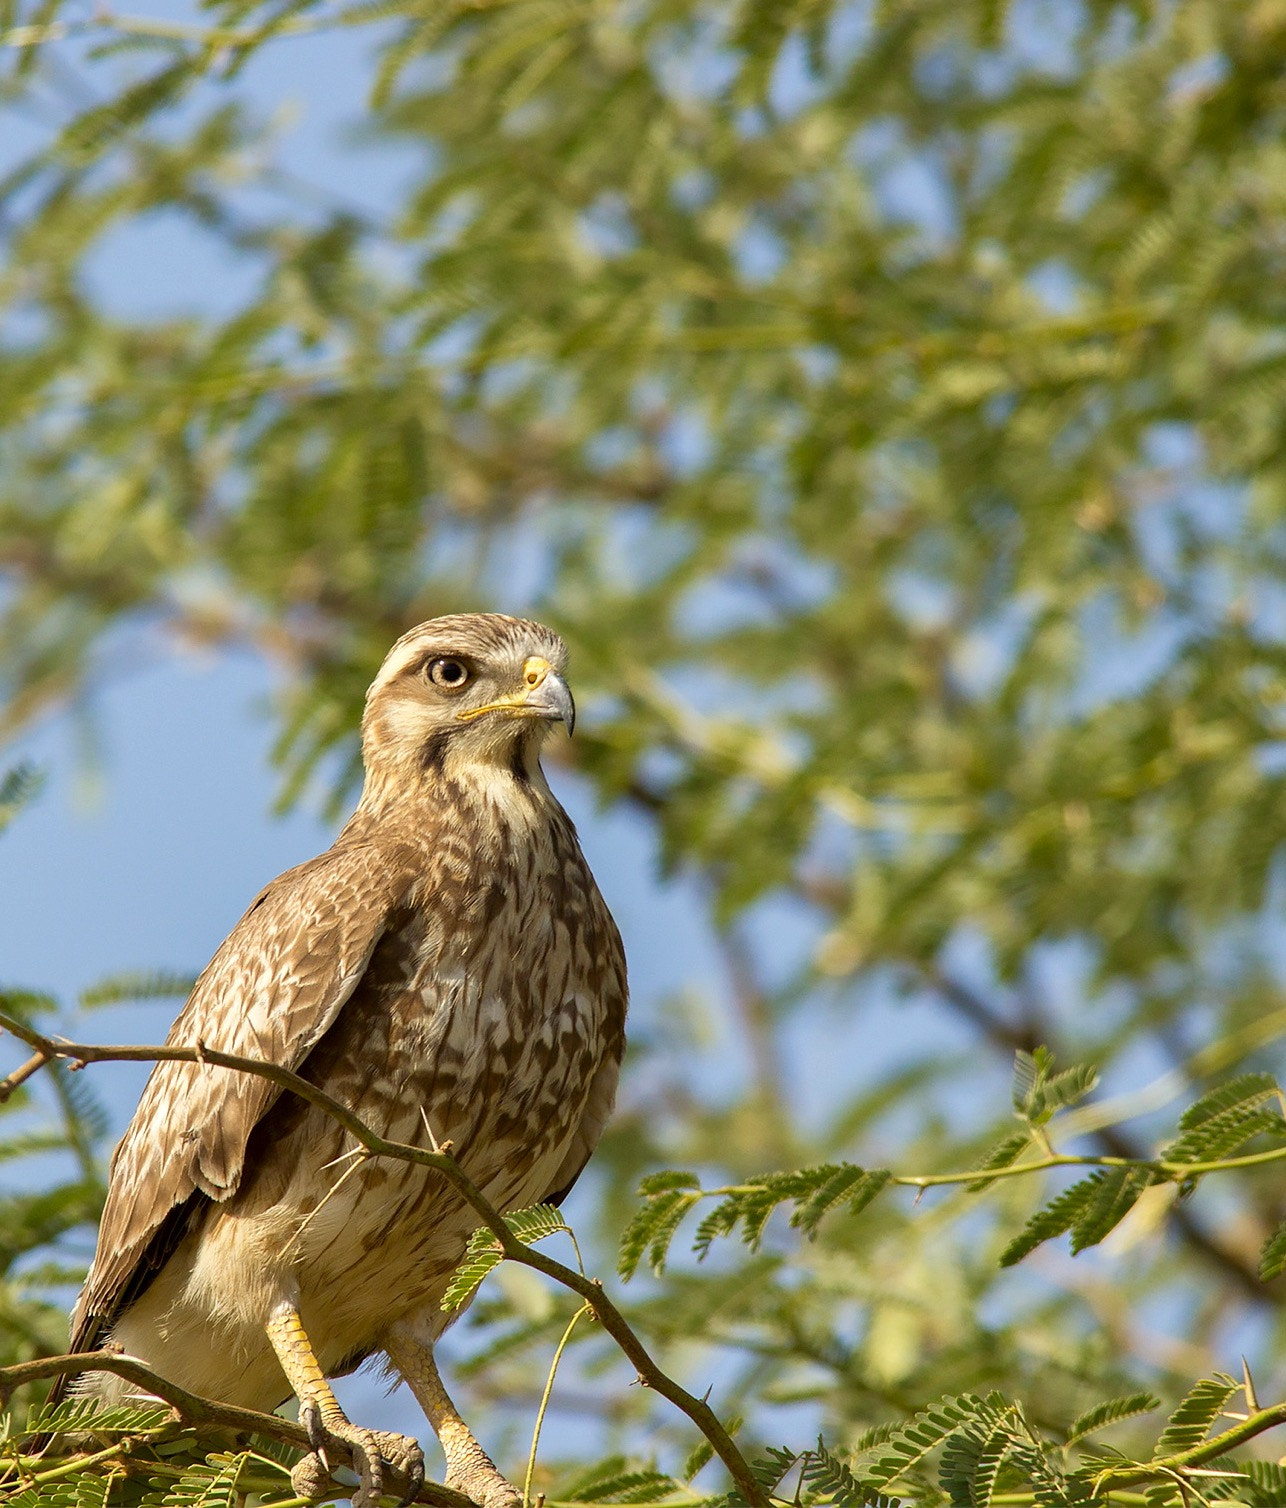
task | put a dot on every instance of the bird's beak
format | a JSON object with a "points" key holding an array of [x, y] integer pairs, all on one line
{"points": [[552, 698], [547, 695]]}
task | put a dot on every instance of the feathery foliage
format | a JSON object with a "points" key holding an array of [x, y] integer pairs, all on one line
{"points": [[885, 401], [484, 1253]]}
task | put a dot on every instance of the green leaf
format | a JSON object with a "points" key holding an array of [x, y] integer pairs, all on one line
{"points": [[1030, 1070], [814, 1191], [210, 1484], [972, 1462], [1227, 1118], [636, 1487], [1115, 1193], [584, 1486], [1003, 1155], [140, 985], [536, 1222], [1191, 1421], [1057, 1217], [832, 1481], [80, 1415], [652, 1229], [908, 1445], [19, 786], [1114, 1409], [1062, 1090], [664, 1182], [1272, 1260], [483, 1253], [844, 1184], [1247, 1089], [1038, 1092], [697, 1459]]}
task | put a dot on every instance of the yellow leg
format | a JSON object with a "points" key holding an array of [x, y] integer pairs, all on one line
{"points": [[325, 1420], [470, 1469]]}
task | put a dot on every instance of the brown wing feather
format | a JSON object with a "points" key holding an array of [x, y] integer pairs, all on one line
{"points": [[602, 1089], [271, 991]]}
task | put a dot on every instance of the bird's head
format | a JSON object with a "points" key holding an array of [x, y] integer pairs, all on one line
{"points": [[467, 691]]}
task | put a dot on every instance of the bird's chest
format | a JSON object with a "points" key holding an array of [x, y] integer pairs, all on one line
{"points": [[487, 1017]]}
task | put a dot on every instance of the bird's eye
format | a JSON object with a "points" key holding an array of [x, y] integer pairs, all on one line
{"points": [[449, 674]]}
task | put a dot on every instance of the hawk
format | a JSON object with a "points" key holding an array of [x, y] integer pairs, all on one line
{"points": [[449, 971]]}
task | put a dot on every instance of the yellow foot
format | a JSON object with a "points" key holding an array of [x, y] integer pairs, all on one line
{"points": [[482, 1484], [372, 1451]]}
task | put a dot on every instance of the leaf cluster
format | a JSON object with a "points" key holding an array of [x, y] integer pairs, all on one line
{"points": [[669, 1196]]}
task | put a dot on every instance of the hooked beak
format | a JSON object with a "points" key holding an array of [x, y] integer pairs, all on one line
{"points": [[552, 698]]}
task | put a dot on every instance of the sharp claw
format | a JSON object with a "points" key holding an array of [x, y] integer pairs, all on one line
{"points": [[310, 1418]]}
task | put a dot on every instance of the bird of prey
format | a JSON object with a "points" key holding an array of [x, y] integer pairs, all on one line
{"points": [[449, 971]]}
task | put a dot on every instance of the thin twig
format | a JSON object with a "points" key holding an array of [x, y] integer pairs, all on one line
{"points": [[544, 1402], [20, 1076]]}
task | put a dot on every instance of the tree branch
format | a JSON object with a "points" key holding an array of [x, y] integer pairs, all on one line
{"points": [[191, 1410], [605, 1311]]}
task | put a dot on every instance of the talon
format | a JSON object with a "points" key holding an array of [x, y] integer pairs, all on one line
{"points": [[311, 1419]]}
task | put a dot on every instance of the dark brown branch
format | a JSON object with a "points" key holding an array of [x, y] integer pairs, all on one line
{"points": [[604, 1310], [193, 1411]]}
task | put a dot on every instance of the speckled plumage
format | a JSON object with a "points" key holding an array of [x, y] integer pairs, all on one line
{"points": [[449, 970]]}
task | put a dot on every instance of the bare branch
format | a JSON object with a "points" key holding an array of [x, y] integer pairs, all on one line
{"points": [[20, 1076]]}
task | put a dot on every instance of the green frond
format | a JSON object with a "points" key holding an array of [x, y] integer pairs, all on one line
{"points": [[1115, 1193], [775, 1465], [587, 1484], [665, 1181], [1191, 1420], [1114, 1409], [830, 1480], [1272, 1260], [1038, 1092], [84, 1415], [813, 1191], [1003, 1155], [635, 1487], [536, 1222], [909, 1445], [652, 1229], [971, 1464], [208, 1484], [1057, 1217], [697, 1459], [151, 984], [1223, 1121], [1247, 1090], [483, 1253]]}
